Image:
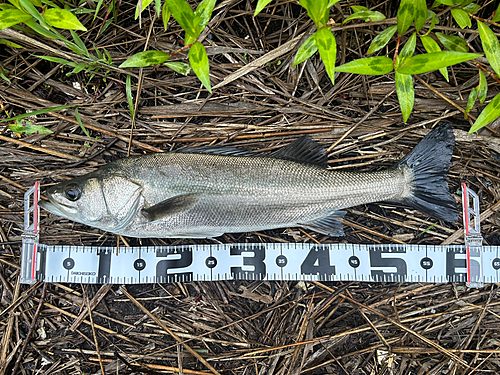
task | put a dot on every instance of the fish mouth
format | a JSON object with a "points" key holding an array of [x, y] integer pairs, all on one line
{"points": [[57, 208]]}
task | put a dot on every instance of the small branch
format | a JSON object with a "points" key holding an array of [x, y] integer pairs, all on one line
{"points": [[480, 66], [396, 52], [484, 20], [181, 49], [20, 356]]}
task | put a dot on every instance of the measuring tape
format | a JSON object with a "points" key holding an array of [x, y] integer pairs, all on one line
{"points": [[261, 261]]}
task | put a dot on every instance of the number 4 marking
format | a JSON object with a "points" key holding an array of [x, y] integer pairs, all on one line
{"points": [[317, 262]]}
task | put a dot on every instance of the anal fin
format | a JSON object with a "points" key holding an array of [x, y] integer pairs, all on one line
{"points": [[330, 225]]}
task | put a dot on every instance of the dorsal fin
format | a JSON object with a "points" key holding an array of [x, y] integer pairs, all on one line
{"points": [[303, 150]]}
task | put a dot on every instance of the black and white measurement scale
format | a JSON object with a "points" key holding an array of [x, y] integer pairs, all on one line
{"points": [[471, 263]]}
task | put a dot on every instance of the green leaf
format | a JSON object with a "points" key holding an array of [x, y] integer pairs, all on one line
{"points": [[184, 16], [97, 9], [472, 8], [77, 116], [306, 50], [108, 58], [317, 10], [434, 20], [158, 8], [10, 17], [3, 76], [496, 17], [332, 2], [63, 19], [444, 2], [489, 114], [141, 5], [406, 94], [35, 113], [377, 65], [41, 30], [74, 47], [28, 128], [204, 11], [430, 46], [58, 60], [406, 14], [409, 48], [130, 99], [10, 44], [165, 15], [453, 43], [146, 58], [261, 4], [6, 6], [199, 62], [471, 101], [16, 3], [482, 88], [381, 40], [33, 11], [358, 8], [106, 25], [420, 14], [79, 67], [327, 47], [491, 46], [179, 67], [367, 15], [39, 3], [428, 62], [461, 17], [80, 44]]}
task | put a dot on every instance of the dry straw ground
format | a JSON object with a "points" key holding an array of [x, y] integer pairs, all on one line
{"points": [[260, 101]]}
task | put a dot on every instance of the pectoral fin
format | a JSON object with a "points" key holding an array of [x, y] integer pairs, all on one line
{"points": [[170, 206], [330, 225]]}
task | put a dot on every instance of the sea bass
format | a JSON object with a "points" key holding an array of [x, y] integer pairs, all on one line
{"points": [[207, 191]]}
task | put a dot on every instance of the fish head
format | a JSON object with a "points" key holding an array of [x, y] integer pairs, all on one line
{"points": [[109, 202]]}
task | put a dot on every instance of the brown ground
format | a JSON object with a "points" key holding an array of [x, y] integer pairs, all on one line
{"points": [[241, 327]]}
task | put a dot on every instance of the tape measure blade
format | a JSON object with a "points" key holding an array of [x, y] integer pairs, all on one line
{"points": [[335, 262]]}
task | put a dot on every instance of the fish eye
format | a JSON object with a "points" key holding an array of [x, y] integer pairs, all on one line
{"points": [[73, 192]]}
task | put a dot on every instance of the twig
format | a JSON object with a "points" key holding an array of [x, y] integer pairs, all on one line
{"points": [[168, 330], [20, 357], [403, 327]]}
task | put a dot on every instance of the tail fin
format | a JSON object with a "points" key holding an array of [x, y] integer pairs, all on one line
{"points": [[430, 162]]}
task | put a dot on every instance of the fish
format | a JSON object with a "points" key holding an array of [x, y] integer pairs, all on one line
{"points": [[204, 192]]}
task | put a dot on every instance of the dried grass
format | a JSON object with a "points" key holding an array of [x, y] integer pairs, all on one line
{"points": [[236, 327]]}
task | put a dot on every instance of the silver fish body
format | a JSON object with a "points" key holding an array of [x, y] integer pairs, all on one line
{"points": [[208, 192]]}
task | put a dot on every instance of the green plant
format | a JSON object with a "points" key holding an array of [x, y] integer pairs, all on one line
{"points": [[323, 39], [404, 63], [45, 23], [442, 50], [193, 23], [18, 124], [94, 63]]}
